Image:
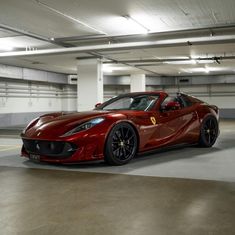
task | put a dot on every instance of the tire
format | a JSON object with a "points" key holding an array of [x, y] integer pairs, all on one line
{"points": [[208, 132], [121, 145]]}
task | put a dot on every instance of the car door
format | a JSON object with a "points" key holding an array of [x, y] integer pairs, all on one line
{"points": [[171, 126], [173, 122]]}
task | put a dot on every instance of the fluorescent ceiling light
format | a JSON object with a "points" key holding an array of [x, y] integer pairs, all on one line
{"points": [[194, 57], [106, 68], [193, 40], [172, 57], [6, 45], [109, 68], [136, 25], [181, 62], [205, 61], [197, 70], [193, 61]]}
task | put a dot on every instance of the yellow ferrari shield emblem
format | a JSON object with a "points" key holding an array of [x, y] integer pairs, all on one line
{"points": [[153, 120]]}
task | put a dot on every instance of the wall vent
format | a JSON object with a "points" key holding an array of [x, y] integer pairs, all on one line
{"points": [[72, 79], [184, 80]]}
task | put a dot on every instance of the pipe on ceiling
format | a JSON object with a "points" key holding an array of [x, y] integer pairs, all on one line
{"points": [[126, 46]]}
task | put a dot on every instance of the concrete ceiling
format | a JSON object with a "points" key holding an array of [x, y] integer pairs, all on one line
{"points": [[51, 24]]}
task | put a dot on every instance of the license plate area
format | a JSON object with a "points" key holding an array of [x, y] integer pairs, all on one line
{"points": [[34, 157]]}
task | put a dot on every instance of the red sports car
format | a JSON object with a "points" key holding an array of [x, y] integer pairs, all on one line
{"points": [[120, 128]]}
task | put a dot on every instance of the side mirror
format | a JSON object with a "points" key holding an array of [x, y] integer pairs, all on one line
{"points": [[172, 105], [97, 105]]}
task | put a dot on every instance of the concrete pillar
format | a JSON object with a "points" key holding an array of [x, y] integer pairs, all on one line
{"points": [[90, 84], [137, 82]]}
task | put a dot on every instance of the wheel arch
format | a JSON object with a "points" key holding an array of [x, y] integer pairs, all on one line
{"points": [[123, 121], [204, 120], [204, 111]]}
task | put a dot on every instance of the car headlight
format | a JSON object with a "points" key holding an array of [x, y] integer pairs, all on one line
{"points": [[84, 126]]}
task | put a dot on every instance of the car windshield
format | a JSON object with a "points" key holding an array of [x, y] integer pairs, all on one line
{"points": [[137, 102]]}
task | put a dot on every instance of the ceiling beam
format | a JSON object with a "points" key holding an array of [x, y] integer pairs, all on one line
{"points": [[217, 58], [126, 46]]}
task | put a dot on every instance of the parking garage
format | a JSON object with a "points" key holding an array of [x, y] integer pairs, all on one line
{"points": [[68, 57]]}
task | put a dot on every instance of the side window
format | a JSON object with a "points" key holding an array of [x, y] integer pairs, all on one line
{"points": [[166, 101], [176, 102]]}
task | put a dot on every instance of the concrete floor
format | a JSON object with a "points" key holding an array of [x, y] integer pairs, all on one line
{"points": [[182, 191]]}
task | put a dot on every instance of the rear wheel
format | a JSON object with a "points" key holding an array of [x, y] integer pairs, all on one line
{"points": [[121, 144], [209, 132]]}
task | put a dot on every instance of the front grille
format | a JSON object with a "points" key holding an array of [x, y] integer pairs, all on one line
{"points": [[50, 148]]}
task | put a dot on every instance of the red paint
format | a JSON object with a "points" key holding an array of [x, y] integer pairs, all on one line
{"points": [[179, 125]]}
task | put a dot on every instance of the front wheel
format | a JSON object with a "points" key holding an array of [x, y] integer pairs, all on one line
{"points": [[121, 144], [209, 131]]}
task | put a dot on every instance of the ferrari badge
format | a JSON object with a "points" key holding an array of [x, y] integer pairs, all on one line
{"points": [[153, 120]]}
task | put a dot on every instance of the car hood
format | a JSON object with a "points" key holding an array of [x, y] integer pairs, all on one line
{"points": [[57, 124]]}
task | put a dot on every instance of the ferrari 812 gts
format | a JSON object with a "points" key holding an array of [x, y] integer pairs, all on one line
{"points": [[120, 128]]}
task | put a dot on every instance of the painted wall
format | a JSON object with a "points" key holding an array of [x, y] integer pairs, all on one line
{"points": [[114, 90], [222, 95], [20, 101]]}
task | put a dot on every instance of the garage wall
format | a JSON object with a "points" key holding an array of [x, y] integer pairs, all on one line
{"points": [[29, 99], [13, 72], [114, 90], [222, 95], [214, 89]]}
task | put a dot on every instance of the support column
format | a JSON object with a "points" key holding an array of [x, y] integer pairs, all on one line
{"points": [[137, 82], [90, 84]]}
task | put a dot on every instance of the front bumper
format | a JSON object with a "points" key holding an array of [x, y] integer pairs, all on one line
{"points": [[53, 149], [59, 151], [80, 147]]}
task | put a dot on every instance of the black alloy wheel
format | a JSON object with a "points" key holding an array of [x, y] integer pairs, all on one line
{"points": [[121, 144], [209, 132]]}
